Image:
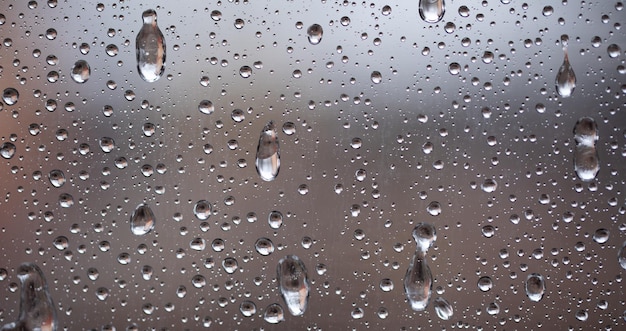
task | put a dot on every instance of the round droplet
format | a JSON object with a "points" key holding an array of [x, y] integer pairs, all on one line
{"points": [[245, 71], [274, 314], [264, 246], [107, 144], [230, 265], [10, 96], [7, 150], [357, 313], [81, 71], [206, 107], [601, 236], [61, 243], [57, 178], [386, 284], [614, 50], [454, 68], [197, 244], [434, 208], [66, 200], [376, 77], [202, 210], [485, 283], [275, 219], [489, 185], [142, 220], [289, 128], [493, 308], [582, 315], [488, 231], [247, 308], [315, 33]]}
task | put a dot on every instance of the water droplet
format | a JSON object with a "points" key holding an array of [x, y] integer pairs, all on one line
{"points": [[488, 231], [289, 128], [202, 209], [418, 280], [275, 219], [66, 200], [293, 284], [315, 33], [601, 236], [268, 153], [431, 11], [150, 48], [547, 11], [566, 78], [264, 246], [614, 50], [142, 220], [443, 308], [489, 185], [216, 15], [535, 287], [386, 285], [247, 308], [7, 150], [621, 256], [485, 283], [107, 144], [102, 293], [493, 308], [245, 71], [81, 71], [10, 96], [357, 313], [274, 314], [198, 281], [586, 159], [61, 243], [454, 68], [124, 258], [582, 315], [206, 107], [197, 244], [57, 178], [37, 311], [434, 208], [376, 77], [230, 265], [146, 272]]}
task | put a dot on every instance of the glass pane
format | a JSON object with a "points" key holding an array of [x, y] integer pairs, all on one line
{"points": [[231, 165]]}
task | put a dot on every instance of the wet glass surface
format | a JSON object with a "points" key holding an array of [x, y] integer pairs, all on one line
{"points": [[242, 165]]}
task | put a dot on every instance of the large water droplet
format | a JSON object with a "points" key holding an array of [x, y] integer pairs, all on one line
{"points": [[418, 280], [10, 96], [293, 284], [7, 150], [485, 283], [81, 71], [202, 210], [150, 48], [621, 256], [565, 78], [443, 308], [142, 220], [274, 314], [37, 310], [586, 159], [264, 246], [431, 11], [268, 153], [57, 178], [315, 33], [535, 287]]}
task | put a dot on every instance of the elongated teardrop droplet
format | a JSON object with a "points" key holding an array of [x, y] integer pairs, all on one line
{"points": [[565, 78], [586, 159], [37, 310], [621, 256], [268, 153], [431, 11], [142, 221], [293, 284], [535, 287], [418, 280], [150, 47], [443, 308]]}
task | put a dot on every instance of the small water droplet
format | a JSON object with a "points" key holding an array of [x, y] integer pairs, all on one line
{"points": [[293, 284], [565, 78], [386, 285], [150, 48], [485, 283], [434, 208], [268, 153], [315, 33], [432, 11], [376, 77], [206, 107], [264, 246], [275, 219], [247, 308], [107, 144], [81, 71], [57, 178], [535, 287], [61, 243], [230, 265], [142, 220], [601, 236], [614, 50]]}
